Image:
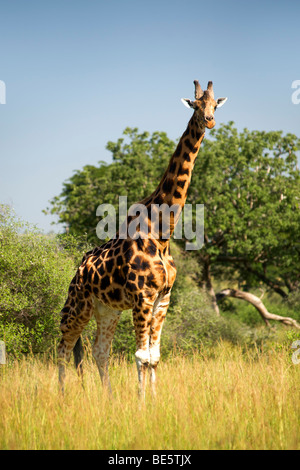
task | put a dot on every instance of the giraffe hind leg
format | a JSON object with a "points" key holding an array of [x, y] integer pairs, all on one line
{"points": [[107, 320], [74, 319], [78, 357]]}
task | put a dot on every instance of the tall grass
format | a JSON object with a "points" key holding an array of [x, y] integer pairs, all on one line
{"points": [[222, 399]]}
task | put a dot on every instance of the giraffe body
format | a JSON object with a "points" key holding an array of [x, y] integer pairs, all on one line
{"points": [[120, 275], [135, 273]]}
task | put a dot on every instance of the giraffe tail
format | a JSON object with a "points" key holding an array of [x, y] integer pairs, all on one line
{"points": [[78, 356]]}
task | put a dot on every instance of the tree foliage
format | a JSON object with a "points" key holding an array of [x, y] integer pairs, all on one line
{"points": [[250, 185], [35, 273], [248, 182], [138, 161]]}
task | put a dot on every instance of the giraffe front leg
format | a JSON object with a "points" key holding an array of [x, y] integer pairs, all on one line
{"points": [[142, 319], [158, 316]]}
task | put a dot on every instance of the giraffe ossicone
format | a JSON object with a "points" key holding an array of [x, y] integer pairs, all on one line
{"points": [[135, 273]]}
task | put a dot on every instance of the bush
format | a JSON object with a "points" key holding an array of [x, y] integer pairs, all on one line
{"points": [[35, 273]]}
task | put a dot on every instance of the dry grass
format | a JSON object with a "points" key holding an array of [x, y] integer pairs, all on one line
{"points": [[228, 400]]}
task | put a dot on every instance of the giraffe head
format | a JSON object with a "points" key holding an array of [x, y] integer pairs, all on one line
{"points": [[205, 104]]}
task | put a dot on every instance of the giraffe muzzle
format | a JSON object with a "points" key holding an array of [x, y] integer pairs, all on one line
{"points": [[210, 122]]}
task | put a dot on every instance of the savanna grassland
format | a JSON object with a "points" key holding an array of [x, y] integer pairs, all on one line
{"points": [[222, 398], [226, 380]]}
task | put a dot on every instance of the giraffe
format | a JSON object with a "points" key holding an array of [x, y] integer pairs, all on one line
{"points": [[135, 272]]}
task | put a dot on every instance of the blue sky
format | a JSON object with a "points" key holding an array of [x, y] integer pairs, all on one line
{"points": [[78, 72]]}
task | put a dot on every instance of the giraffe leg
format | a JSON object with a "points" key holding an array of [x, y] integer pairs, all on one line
{"points": [[159, 313], [142, 320], [107, 320], [78, 357], [65, 348], [73, 321]]}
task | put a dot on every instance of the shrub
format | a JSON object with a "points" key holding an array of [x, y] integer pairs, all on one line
{"points": [[35, 273]]}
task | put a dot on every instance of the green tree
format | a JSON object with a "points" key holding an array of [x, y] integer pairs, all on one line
{"points": [[248, 182], [138, 162]]}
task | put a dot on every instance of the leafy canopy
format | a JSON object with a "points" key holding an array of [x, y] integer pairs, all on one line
{"points": [[248, 182]]}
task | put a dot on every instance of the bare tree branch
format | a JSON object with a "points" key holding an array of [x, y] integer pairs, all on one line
{"points": [[257, 303]]}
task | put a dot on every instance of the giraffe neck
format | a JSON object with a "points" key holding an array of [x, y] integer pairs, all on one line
{"points": [[173, 187], [177, 178]]}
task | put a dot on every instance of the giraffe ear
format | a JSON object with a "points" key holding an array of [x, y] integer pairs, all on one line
{"points": [[220, 102], [188, 103]]}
